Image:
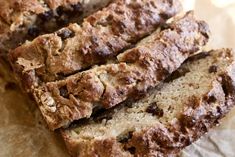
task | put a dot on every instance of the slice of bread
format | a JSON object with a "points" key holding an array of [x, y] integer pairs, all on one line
{"points": [[171, 117], [135, 72]]}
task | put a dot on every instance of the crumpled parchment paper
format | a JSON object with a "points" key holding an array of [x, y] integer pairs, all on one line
{"points": [[23, 132]]}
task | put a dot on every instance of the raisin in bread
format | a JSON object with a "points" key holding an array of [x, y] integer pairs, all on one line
{"points": [[100, 37], [25, 19], [136, 71], [191, 101]]}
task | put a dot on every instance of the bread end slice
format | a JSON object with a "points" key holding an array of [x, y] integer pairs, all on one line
{"points": [[185, 107]]}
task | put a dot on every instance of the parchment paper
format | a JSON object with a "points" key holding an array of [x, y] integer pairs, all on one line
{"points": [[23, 133]]}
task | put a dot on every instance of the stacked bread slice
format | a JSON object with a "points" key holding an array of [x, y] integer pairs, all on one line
{"points": [[127, 82]]}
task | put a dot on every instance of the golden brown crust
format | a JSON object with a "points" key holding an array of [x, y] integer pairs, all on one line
{"points": [[101, 37], [138, 70], [162, 140], [22, 20]]}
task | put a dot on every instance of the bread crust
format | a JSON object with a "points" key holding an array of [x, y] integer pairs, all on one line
{"points": [[163, 140], [138, 70], [22, 20], [101, 37]]}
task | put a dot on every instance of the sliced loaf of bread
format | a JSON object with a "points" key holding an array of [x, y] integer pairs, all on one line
{"points": [[135, 72], [100, 37], [171, 117]]}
